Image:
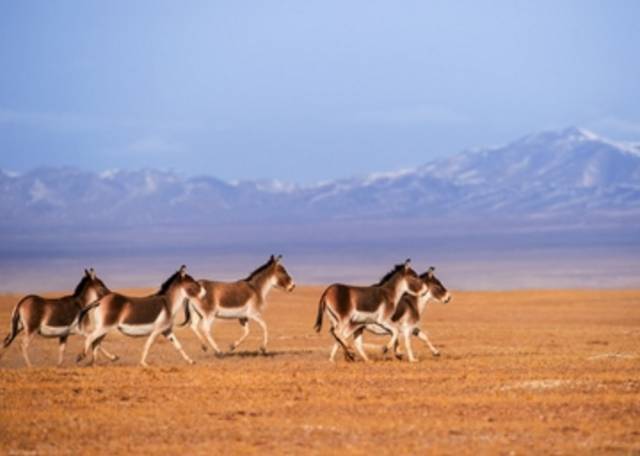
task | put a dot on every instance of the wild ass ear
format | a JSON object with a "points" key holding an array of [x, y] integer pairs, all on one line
{"points": [[86, 272], [430, 271], [278, 258], [406, 264], [92, 274], [182, 271]]}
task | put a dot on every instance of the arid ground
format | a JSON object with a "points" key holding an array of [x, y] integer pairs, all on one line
{"points": [[520, 372]]}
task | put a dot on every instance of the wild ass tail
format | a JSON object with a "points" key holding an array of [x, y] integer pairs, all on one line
{"points": [[15, 327], [187, 312], [321, 306], [83, 313]]}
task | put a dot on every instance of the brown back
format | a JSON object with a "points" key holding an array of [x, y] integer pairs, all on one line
{"points": [[59, 312], [237, 294], [117, 308]]}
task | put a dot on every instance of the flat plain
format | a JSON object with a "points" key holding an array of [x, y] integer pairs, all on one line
{"points": [[545, 372]]}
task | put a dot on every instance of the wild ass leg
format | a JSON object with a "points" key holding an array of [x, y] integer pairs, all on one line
{"points": [[245, 326], [396, 351], [205, 327], [357, 341], [196, 323], [334, 350], [340, 343], [176, 343], [26, 340], [355, 330], [92, 342], [62, 345], [394, 336], [407, 343], [147, 346], [422, 335], [265, 334], [109, 355], [96, 348]]}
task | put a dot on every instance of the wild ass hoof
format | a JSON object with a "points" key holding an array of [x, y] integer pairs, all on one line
{"points": [[80, 357], [144, 364], [263, 351], [436, 354], [203, 347], [398, 356], [385, 349], [232, 347], [191, 362], [413, 360], [349, 356]]}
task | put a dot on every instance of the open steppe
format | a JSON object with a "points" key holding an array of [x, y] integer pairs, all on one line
{"points": [[521, 372]]}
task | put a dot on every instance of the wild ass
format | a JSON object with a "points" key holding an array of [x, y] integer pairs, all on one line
{"points": [[408, 313], [243, 300], [151, 315], [351, 307], [57, 317]]}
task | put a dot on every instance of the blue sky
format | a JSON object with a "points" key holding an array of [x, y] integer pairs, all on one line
{"points": [[305, 90]]}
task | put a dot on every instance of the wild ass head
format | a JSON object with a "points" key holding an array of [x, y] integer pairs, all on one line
{"points": [[282, 278], [272, 273], [405, 279], [436, 289], [181, 282], [90, 288]]}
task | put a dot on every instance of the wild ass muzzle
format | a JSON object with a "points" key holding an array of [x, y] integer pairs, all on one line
{"points": [[143, 316], [408, 315], [55, 317], [351, 307], [243, 300]]}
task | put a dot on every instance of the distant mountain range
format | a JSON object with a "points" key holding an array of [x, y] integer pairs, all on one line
{"points": [[550, 174], [554, 209]]}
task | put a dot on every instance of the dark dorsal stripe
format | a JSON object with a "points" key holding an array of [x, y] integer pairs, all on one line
{"points": [[259, 270]]}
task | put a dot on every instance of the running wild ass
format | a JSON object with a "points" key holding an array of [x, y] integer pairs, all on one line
{"points": [[243, 300], [351, 307], [55, 317], [408, 314], [146, 316]]}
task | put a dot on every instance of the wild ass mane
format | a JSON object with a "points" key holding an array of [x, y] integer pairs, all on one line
{"points": [[81, 285], [389, 274], [259, 270], [167, 283]]}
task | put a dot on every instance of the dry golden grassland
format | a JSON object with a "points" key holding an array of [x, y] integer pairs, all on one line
{"points": [[523, 372]]}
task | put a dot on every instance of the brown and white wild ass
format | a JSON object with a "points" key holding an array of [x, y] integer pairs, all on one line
{"points": [[408, 314], [57, 317], [351, 307], [243, 300], [143, 316]]}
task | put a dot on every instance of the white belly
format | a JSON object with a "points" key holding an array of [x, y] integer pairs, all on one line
{"points": [[234, 312], [54, 331], [365, 317], [136, 330]]}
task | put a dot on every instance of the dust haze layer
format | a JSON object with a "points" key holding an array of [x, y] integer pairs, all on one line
{"points": [[553, 209]]}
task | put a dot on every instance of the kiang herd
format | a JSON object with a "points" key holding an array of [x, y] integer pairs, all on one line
{"points": [[393, 306]]}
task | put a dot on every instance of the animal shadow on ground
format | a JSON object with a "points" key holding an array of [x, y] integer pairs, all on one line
{"points": [[267, 354]]}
